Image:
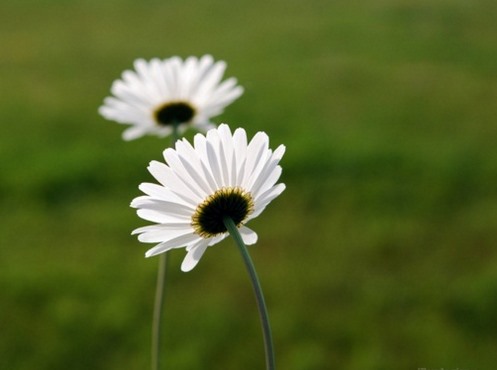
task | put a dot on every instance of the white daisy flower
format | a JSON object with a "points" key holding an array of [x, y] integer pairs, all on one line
{"points": [[161, 93], [220, 175]]}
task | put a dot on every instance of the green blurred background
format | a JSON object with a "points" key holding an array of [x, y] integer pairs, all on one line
{"points": [[379, 255]]}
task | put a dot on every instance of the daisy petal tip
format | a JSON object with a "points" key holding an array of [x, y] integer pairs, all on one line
{"points": [[249, 236], [150, 253], [132, 133], [188, 266], [142, 238], [194, 255]]}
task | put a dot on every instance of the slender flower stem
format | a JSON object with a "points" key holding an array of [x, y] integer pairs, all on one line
{"points": [[261, 304], [159, 304], [160, 291]]}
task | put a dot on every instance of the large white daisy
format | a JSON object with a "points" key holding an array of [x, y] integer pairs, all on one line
{"points": [[221, 175], [161, 93]]}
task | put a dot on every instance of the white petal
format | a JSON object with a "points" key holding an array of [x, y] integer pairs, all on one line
{"points": [[268, 177], [211, 79], [133, 133], [240, 147], [225, 93], [187, 177], [200, 143], [193, 255], [125, 113], [187, 77], [157, 216], [137, 88], [178, 242], [172, 226], [192, 164], [225, 152], [217, 239], [265, 198], [162, 131], [157, 170], [149, 77], [161, 233], [161, 193], [134, 93], [212, 147], [256, 150], [177, 185], [160, 79], [263, 163], [264, 178], [161, 206], [267, 181], [278, 153], [248, 235], [271, 193], [168, 226], [203, 66]]}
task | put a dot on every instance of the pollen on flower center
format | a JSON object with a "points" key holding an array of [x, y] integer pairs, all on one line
{"points": [[233, 202], [174, 112]]}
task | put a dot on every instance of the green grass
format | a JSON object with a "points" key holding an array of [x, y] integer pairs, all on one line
{"points": [[379, 255]]}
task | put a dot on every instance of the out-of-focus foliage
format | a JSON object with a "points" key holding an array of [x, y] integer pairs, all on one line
{"points": [[379, 255]]}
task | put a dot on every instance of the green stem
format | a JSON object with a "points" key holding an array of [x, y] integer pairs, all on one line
{"points": [[175, 133], [158, 308], [261, 304], [160, 290]]}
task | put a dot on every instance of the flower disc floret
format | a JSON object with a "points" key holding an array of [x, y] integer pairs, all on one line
{"points": [[174, 113], [232, 202]]}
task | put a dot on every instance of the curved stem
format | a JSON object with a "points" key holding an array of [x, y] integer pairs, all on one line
{"points": [[261, 304]]}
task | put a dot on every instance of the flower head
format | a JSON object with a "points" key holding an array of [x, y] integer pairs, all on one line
{"points": [[161, 93], [220, 176]]}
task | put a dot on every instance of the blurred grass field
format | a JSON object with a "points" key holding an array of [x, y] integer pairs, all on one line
{"points": [[379, 255]]}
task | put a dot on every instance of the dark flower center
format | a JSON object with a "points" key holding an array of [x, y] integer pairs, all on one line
{"points": [[234, 202], [174, 112]]}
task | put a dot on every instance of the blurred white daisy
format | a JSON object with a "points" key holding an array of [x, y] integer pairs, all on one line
{"points": [[161, 93], [220, 175]]}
